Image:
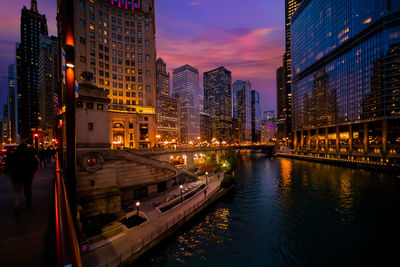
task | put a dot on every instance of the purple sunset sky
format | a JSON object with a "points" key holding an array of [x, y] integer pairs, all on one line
{"points": [[247, 37]]}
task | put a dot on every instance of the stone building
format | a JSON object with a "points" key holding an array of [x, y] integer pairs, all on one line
{"points": [[116, 42]]}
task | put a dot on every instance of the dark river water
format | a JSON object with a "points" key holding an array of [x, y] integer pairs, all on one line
{"points": [[286, 212]]}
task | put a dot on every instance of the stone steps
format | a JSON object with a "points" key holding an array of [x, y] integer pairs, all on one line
{"points": [[153, 215]]}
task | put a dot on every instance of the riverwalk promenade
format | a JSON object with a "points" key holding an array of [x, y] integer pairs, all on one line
{"points": [[358, 163], [23, 236], [133, 242]]}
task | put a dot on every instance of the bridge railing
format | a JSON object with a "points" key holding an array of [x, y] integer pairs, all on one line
{"points": [[67, 248]]}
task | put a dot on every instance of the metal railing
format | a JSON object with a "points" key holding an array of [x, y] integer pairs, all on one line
{"points": [[141, 243], [67, 248]]}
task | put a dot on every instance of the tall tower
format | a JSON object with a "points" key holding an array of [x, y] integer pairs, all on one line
{"points": [[33, 25], [242, 109], [115, 40], [255, 116], [186, 86], [48, 84], [12, 101], [290, 8], [218, 102], [168, 108]]}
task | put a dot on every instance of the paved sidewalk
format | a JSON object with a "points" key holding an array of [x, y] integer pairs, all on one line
{"points": [[134, 235], [22, 237]]}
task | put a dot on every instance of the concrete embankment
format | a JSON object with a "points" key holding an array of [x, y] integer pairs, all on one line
{"points": [[173, 229], [140, 239], [345, 162]]}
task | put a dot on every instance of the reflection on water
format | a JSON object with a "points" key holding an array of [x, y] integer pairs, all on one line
{"points": [[213, 228], [286, 212]]}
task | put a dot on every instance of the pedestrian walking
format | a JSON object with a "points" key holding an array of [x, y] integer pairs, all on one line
{"points": [[48, 154], [42, 157], [21, 178]]}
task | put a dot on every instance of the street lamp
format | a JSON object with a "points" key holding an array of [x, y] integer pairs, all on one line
{"points": [[181, 187], [206, 177], [137, 208]]}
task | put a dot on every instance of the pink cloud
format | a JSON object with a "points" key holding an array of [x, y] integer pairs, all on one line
{"points": [[194, 3], [248, 53]]}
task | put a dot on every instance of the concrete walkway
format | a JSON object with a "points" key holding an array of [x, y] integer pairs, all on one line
{"points": [[22, 237], [138, 236]]}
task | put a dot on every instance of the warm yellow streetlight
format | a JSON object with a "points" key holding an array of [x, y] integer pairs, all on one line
{"points": [[137, 208]]}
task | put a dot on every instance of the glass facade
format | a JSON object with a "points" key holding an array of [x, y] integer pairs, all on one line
{"points": [[346, 79], [336, 46], [187, 88], [255, 116], [218, 102], [242, 109]]}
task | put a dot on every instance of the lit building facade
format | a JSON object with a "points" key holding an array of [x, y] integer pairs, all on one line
{"points": [[346, 82], [48, 87], [168, 108], [5, 126], [255, 116], [285, 94], [218, 102], [12, 112], [242, 109], [186, 86], [205, 127], [162, 78], [115, 40], [33, 24]]}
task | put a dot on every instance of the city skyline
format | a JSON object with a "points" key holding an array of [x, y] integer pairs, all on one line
{"points": [[258, 38]]}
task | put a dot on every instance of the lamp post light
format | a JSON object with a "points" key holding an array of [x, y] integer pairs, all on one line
{"points": [[137, 208], [206, 178], [181, 187]]}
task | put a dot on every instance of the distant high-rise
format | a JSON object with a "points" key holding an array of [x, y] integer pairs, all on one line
{"points": [[168, 108], [48, 86], [242, 110], [5, 126], [286, 112], [12, 101], [255, 116], [346, 82], [33, 25], [186, 86], [218, 102], [162, 78], [282, 106]]}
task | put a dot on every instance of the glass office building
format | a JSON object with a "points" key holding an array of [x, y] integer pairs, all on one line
{"points": [[218, 102], [345, 78], [242, 110], [186, 86]]}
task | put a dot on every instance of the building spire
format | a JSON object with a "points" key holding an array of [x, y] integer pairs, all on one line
{"points": [[34, 6]]}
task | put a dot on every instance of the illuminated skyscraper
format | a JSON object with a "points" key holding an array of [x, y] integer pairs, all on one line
{"points": [[168, 108], [115, 40], [255, 116], [346, 82], [32, 25], [48, 86], [186, 86], [12, 112], [218, 102], [286, 110], [242, 109]]}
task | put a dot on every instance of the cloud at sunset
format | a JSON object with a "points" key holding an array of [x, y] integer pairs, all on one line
{"points": [[251, 54], [194, 3]]}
